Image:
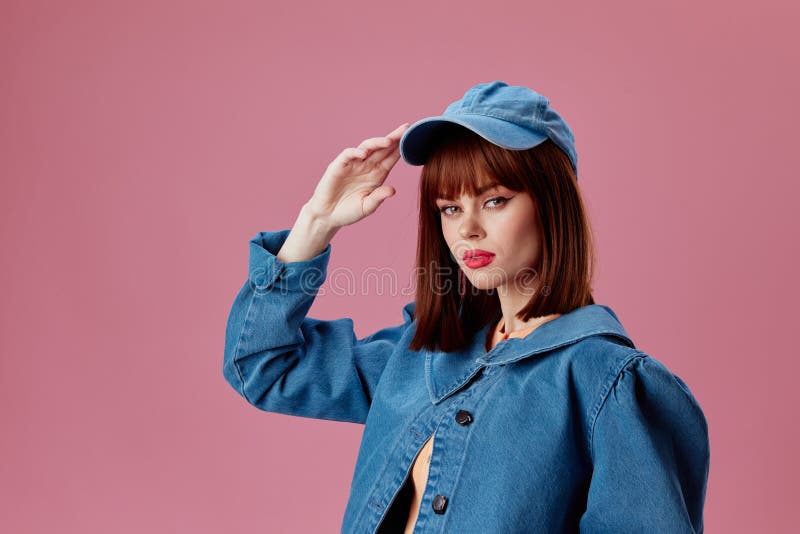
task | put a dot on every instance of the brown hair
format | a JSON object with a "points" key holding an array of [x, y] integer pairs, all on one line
{"points": [[462, 161]]}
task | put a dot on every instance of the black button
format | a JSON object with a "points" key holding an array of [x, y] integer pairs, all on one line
{"points": [[463, 417], [439, 504]]}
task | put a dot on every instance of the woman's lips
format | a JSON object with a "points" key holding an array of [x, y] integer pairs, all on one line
{"points": [[478, 261]]}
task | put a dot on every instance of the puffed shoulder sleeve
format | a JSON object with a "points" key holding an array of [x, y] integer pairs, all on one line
{"points": [[280, 360], [650, 453]]}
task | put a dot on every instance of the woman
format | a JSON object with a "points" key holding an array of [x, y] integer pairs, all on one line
{"points": [[507, 400]]}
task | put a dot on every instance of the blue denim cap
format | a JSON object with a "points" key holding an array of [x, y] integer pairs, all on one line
{"points": [[510, 116]]}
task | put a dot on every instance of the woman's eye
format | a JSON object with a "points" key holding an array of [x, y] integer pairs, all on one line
{"points": [[498, 201], [444, 209], [501, 200]]}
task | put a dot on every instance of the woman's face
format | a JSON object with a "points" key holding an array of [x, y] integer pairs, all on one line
{"points": [[502, 223]]}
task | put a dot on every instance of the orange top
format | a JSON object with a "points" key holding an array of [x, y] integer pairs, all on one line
{"points": [[500, 332], [419, 469]]}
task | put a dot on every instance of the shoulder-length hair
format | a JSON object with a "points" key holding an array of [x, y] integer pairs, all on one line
{"points": [[461, 162]]}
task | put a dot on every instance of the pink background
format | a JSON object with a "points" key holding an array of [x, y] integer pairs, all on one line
{"points": [[144, 143]]}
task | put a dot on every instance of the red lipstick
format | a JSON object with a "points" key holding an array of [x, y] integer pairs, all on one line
{"points": [[477, 258]]}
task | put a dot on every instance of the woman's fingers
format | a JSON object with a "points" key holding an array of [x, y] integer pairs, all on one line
{"points": [[382, 151], [391, 159], [383, 148], [386, 141], [371, 202], [375, 142], [398, 132], [351, 153]]}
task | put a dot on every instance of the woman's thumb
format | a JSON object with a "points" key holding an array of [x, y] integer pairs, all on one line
{"points": [[376, 198]]}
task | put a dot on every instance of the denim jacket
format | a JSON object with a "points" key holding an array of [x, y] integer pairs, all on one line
{"points": [[569, 429]]}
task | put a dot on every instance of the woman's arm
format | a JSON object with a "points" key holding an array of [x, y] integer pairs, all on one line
{"points": [[277, 358], [309, 237], [650, 453], [282, 361]]}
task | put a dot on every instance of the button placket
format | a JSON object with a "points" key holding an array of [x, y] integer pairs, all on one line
{"points": [[439, 502]]}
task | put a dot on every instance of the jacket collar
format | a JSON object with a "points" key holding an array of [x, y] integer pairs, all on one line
{"points": [[447, 372]]}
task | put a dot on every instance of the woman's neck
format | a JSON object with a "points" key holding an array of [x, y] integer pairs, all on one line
{"points": [[529, 325]]}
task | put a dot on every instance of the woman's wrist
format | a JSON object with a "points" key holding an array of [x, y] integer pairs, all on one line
{"points": [[308, 237]]}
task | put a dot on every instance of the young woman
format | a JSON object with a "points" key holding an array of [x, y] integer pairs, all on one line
{"points": [[507, 400]]}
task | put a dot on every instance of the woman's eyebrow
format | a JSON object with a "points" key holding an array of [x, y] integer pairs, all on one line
{"points": [[480, 191]]}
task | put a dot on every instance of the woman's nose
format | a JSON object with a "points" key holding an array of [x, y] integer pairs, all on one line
{"points": [[470, 228]]}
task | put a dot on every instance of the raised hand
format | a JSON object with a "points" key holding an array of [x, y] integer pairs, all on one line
{"points": [[352, 186]]}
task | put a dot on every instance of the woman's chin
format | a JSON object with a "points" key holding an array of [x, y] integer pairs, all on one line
{"points": [[485, 281]]}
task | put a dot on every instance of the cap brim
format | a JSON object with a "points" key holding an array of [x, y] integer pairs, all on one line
{"points": [[417, 141]]}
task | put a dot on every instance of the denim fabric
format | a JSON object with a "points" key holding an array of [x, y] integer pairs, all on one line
{"points": [[573, 429]]}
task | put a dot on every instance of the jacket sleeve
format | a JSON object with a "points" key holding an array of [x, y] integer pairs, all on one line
{"points": [[650, 455], [282, 361]]}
